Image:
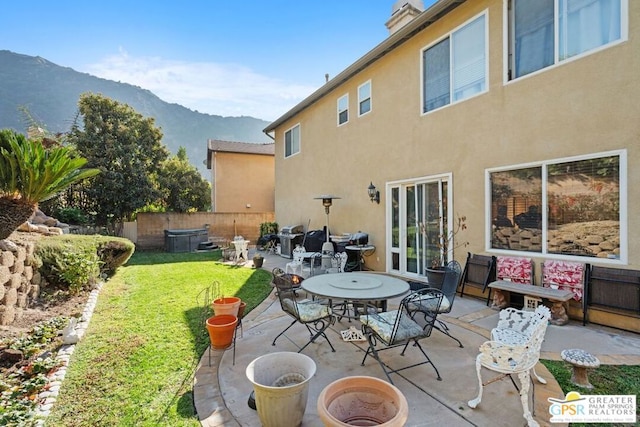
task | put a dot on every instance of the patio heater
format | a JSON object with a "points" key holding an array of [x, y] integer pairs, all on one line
{"points": [[327, 246]]}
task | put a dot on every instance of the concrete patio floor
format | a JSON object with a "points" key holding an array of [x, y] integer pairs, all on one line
{"points": [[221, 389]]}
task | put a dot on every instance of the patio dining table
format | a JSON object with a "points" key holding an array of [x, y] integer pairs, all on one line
{"points": [[356, 286]]}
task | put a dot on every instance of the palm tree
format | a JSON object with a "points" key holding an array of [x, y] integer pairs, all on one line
{"points": [[29, 174]]}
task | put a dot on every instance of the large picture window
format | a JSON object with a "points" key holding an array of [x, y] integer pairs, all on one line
{"points": [[455, 68], [568, 207], [545, 32], [292, 141]]}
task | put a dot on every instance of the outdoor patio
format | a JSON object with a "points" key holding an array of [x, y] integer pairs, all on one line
{"points": [[221, 390]]}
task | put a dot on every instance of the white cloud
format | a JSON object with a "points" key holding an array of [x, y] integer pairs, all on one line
{"points": [[214, 88]]}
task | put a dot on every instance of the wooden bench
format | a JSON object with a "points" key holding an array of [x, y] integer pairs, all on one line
{"points": [[557, 297]]}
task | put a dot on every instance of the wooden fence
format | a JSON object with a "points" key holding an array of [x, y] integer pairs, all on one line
{"points": [[222, 227]]}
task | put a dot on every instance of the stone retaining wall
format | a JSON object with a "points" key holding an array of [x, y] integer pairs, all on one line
{"points": [[19, 281]]}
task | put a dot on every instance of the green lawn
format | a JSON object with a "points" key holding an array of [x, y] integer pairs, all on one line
{"points": [[135, 365]]}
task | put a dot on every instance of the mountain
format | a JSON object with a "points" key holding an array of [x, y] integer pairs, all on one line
{"points": [[51, 93]]}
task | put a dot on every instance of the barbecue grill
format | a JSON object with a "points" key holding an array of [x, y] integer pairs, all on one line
{"points": [[290, 236]]}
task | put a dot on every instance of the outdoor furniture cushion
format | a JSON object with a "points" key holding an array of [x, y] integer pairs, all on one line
{"points": [[516, 269], [383, 324]]}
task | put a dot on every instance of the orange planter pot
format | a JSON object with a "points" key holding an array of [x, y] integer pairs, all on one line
{"points": [[221, 329], [241, 308], [226, 305]]}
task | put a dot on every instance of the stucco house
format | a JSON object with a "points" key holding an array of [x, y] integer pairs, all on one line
{"points": [[522, 116], [242, 176]]}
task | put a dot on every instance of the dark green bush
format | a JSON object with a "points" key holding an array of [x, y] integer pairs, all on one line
{"points": [[74, 261], [73, 216]]}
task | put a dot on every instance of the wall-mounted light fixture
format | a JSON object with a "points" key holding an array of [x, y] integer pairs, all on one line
{"points": [[374, 195]]}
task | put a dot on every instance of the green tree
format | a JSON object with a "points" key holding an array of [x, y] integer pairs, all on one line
{"points": [[126, 147], [31, 173], [183, 188]]}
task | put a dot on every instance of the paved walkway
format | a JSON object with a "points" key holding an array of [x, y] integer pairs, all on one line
{"points": [[221, 388]]}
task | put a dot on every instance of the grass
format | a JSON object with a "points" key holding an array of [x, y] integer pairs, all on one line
{"points": [[136, 362], [606, 379]]}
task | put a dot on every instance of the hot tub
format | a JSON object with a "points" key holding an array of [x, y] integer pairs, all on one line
{"points": [[184, 240]]}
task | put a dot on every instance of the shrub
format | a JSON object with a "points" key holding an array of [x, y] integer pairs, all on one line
{"points": [[75, 261], [72, 216]]}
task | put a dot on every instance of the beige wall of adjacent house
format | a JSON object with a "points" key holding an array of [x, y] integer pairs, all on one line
{"points": [[584, 106], [243, 182]]}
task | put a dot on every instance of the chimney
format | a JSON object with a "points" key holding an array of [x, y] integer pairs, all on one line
{"points": [[403, 12]]}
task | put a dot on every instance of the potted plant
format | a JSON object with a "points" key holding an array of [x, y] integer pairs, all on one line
{"points": [[446, 243], [258, 260]]}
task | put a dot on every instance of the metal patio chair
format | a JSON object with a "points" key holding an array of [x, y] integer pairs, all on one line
{"points": [[316, 317], [396, 328]]}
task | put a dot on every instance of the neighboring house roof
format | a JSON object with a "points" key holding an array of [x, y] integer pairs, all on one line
{"points": [[426, 18], [238, 147]]}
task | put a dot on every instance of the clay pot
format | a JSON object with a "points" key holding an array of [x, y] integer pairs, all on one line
{"points": [[226, 305], [241, 308], [362, 401], [281, 385], [258, 261], [221, 330]]}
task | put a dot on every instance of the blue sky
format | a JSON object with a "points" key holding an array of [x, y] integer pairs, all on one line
{"points": [[255, 57]]}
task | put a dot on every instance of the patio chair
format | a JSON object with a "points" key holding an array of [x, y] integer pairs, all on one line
{"points": [[449, 289], [314, 316], [242, 250], [391, 329], [338, 263], [517, 328], [295, 266], [514, 349], [479, 271]]}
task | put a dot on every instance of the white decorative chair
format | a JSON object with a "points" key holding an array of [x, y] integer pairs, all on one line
{"points": [[514, 349], [242, 250], [295, 266], [338, 262]]}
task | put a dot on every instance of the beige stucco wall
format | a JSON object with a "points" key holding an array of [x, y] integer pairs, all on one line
{"points": [[242, 182], [584, 106]]}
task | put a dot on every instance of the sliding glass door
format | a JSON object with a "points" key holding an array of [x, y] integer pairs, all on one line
{"points": [[419, 215]]}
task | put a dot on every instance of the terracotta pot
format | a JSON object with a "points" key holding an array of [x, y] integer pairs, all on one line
{"points": [[241, 308], [221, 329], [226, 305], [362, 401]]}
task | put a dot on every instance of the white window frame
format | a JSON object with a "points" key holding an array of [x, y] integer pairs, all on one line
{"points": [[342, 106], [361, 99], [623, 226], [291, 131], [452, 101], [509, 48]]}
